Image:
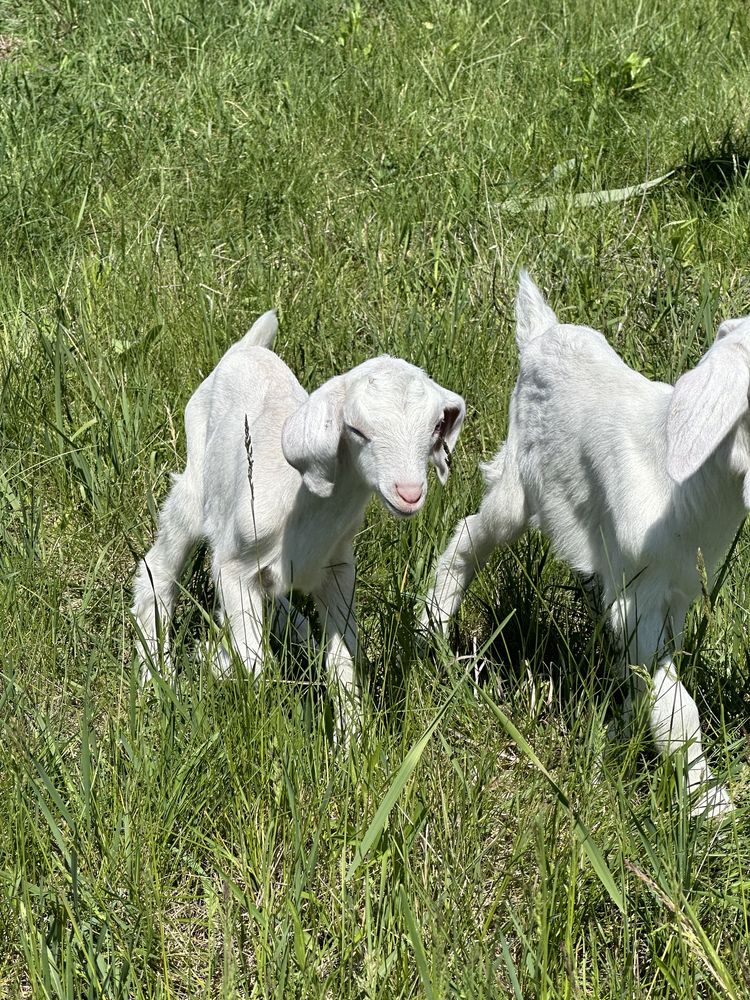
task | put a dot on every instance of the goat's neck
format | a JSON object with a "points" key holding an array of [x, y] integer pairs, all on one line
{"points": [[351, 493], [340, 514], [318, 531]]}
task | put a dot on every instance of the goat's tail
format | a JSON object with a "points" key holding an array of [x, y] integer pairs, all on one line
{"points": [[263, 330], [533, 314]]}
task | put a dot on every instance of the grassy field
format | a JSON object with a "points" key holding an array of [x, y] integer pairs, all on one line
{"points": [[378, 172]]}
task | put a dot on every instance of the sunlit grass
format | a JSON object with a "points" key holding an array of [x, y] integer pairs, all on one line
{"points": [[378, 173]]}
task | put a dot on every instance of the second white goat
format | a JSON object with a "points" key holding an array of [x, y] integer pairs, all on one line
{"points": [[277, 483], [629, 479]]}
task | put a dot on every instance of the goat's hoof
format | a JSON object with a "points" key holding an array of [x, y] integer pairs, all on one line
{"points": [[422, 636], [712, 802], [215, 658], [220, 662], [149, 672], [620, 729], [221, 665], [347, 726]]}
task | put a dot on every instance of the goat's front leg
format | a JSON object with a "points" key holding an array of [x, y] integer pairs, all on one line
{"points": [[335, 602], [673, 715], [469, 549], [500, 520], [242, 609]]}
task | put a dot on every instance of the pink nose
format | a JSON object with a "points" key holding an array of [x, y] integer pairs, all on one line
{"points": [[409, 492]]}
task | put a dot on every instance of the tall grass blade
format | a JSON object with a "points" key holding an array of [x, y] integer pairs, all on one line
{"points": [[415, 938], [398, 784], [588, 844], [584, 199]]}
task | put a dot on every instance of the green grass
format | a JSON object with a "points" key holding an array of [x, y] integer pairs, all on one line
{"points": [[168, 172]]}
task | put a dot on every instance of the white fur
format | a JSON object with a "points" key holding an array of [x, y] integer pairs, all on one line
{"points": [[629, 479], [316, 461]]}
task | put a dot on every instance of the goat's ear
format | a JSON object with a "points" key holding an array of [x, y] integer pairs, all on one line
{"points": [[706, 404], [310, 437], [454, 411]]}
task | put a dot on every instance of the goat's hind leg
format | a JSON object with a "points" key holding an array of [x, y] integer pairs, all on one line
{"points": [[501, 519], [672, 713], [675, 725], [156, 580]]}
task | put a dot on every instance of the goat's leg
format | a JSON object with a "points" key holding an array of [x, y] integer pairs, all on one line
{"points": [[673, 715], [291, 623], [335, 602], [675, 725], [623, 633], [156, 580], [591, 585], [500, 520], [242, 609]]}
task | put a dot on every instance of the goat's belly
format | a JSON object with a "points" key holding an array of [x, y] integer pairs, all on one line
{"points": [[572, 541]]}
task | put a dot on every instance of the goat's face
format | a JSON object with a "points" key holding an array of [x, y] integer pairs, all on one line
{"points": [[395, 422], [386, 419], [710, 402]]}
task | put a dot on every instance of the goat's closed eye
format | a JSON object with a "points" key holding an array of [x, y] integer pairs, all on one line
{"points": [[357, 433]]}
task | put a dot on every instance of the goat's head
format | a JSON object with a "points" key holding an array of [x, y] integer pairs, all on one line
{"points": [[709, 402], [388, 420]]}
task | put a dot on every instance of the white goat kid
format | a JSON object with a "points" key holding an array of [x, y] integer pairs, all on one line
{"points": [[629, 479], [277, 483]]}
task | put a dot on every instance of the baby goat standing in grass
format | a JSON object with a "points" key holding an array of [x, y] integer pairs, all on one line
{"points": [[629, 479], [277, 483]]}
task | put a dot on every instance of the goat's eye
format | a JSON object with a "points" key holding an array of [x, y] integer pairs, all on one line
{"points": [[356, 433]]}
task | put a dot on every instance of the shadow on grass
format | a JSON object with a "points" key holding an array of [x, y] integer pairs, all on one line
{"points": [[524, 632], [712, 170], [550, 653], [553, 654], [199, 603]]}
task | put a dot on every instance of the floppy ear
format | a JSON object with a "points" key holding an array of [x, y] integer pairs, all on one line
{"points": [[310, 437], [454, 411], [706, 404]]}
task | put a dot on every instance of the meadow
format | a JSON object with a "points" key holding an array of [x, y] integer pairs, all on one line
{"points": [[378, 172]]}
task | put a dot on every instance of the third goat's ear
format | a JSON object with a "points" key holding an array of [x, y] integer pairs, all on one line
{"points": [[706, 404]]}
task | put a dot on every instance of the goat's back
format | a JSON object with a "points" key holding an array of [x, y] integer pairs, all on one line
{"points": [[233, 423], [570, 379], [588, 433]]}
